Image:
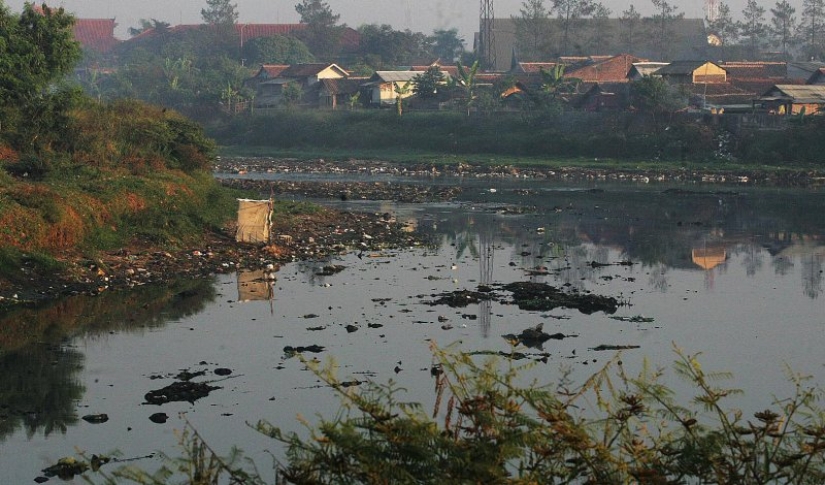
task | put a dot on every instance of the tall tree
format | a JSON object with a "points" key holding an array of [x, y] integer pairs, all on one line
{"points": [[533, 31], [783, 26], [753, 27], [383, 47], [631, 23], [149, 24], [220, 12], [425, 85], [813, 24], [601, 32], [723, 26], [322, 33], [447, 45], [37, 50], [277, 49], [569, 12], [666, 15]]}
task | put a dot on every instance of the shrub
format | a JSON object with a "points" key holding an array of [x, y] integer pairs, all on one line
{"points": [[486, 428]]}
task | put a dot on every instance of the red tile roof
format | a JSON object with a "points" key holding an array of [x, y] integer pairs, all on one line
{"points": [[92, 34], [350, 38], [272, 70], [610, 70], [96, 34]]}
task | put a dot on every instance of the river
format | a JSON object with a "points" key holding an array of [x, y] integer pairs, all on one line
{"points": [[735, 273]]}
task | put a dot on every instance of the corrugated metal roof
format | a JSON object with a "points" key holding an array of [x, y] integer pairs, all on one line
{"points": [[799, 93], [395, 76]]}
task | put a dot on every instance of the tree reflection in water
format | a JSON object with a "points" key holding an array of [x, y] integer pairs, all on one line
{"points": [[812, 274], [39, 387]]}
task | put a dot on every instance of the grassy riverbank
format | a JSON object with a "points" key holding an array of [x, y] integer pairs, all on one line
{"points": [[131, 176]]}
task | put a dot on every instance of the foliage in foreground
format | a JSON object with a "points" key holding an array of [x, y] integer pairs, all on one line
{"points": [[485, 427]]}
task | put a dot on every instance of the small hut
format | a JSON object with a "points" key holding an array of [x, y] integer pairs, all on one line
{"points": [[254, 221]]}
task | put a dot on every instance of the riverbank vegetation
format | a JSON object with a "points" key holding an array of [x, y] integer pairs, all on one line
{"points": [[78, 176], [487, 426], [593, 139]]}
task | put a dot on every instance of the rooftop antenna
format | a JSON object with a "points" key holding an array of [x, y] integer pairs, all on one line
{"points": [[486, 41]]}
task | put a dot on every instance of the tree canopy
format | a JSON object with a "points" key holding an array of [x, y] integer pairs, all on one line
{"points": [[220, 12], [37, 49]]}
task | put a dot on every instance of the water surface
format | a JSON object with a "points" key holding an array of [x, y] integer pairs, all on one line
{"points": [[732, 272]]}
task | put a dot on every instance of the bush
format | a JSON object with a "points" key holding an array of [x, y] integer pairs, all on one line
{"points": [[485, 428]]}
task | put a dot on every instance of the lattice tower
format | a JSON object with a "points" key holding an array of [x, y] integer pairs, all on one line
{"points": [[711, 10], [486, 41]]}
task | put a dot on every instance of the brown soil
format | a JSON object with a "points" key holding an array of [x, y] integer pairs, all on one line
{"points": [[297, 237]]}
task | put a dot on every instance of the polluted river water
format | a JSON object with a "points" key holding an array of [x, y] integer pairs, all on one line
{"points": [[735, 273]]}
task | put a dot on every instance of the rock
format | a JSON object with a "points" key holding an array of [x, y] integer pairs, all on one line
{"points": [[96, 418], [223, 371], [303, 349], [159, 418], [66, 468], [179, 391]]}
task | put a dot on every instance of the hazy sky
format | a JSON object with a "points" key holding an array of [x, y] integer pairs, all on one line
{"points": [[417, 15]]}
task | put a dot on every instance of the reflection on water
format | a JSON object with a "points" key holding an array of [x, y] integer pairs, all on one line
{"points": [[39, 364], [38, 389], [737, 275]]}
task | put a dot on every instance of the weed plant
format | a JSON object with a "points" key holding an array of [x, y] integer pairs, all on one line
{"points": [[485, 427]]}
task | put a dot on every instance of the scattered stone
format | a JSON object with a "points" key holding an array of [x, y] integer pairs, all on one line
{"points": [[313, 349], [614, 347], [179, 391], [159, 418], [533, 337], [634, 319], [543, 297], [330, 270], [66, 468], [96, 418], [351, 328], [460, 298]]}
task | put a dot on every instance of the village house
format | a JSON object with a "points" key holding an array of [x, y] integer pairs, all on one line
{"points": [[336, 93], [613, 69], [270, 82], [692, 72], [818, 77], [381, 90], [640, 70], [787, 99], [803, 70]]}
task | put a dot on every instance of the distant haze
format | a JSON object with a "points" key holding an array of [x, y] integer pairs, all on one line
{"points": [[416, 15]]}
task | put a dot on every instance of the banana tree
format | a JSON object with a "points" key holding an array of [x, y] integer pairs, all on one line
{"points": [[467, 82], [400, 92]]}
